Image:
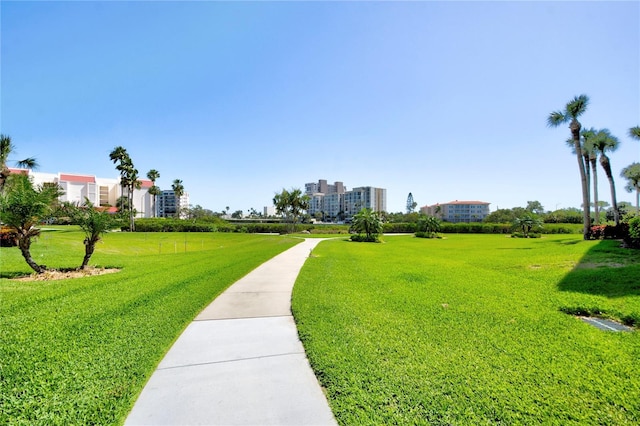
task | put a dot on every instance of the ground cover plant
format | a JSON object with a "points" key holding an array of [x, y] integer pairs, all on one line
{"points": [[472, 329], [79, 351]]}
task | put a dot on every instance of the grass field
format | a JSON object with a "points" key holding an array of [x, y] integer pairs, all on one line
{"points": [[472, 329], [79, 351]]}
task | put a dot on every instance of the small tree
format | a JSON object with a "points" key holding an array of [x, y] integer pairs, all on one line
{"points": [[632, 174], [535, 207], [22, 207], [368, 222], [291, 204], [94, 223], [428, 227], [527, 223]]}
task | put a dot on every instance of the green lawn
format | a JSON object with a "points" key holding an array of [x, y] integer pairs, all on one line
{"points": [[472, 329], [79, 351]]}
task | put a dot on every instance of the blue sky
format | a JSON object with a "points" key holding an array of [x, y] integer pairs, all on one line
{"points": [[447, 100]]}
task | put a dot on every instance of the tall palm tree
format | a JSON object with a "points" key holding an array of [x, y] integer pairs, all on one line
{"points": [[118, 155], [153, 175], [590, 155], [574, 109], [634, 133], [128, 178], [604, 142], [178, 191], [632, 174], [6, 148]]}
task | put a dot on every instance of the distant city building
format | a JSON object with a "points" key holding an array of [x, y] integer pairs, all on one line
{"points": [[334, 202], [458, 211], [167, 205], [269, 211]]}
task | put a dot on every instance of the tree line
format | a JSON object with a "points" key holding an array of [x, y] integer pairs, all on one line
{"points": [[590, 146]]}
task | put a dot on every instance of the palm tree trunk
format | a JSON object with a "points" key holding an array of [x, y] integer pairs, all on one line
{"points": [[595, 189], [586, 211], [587, 172], [24, 242], [606, 165], [131, 220], [89, 247]]}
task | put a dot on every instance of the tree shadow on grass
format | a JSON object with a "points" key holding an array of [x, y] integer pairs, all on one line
{"points": [[605, 270]]}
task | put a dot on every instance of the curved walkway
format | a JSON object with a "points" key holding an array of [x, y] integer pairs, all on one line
{"points": [[240, 362]]}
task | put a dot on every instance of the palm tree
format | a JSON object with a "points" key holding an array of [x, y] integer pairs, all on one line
{"points": [[291, 204], [527, 222], [632, 174], [367, 221], [22, 208], [574, 109], [153, 175], [128, 178], [590, 155], [634, 133], [429, 225], [6, 148], [178, 191], [94, 223], [603, 142]]}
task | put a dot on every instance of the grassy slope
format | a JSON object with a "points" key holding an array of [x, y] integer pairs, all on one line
{"points": [[79, 351], [468, 330]]}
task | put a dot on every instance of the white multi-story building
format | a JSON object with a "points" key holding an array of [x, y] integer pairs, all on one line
{"points": [[458, 211], [99, 191], [335, 202]]}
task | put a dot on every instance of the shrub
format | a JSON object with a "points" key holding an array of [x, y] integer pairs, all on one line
{"points": [[363, 238], [172, 225], [8, 237], [399, 228], [424, 234], [632, 236], [597, 232], [529, 235]]}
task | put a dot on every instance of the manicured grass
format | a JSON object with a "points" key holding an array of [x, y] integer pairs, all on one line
{"points": [[79, 351], [470, 329]]}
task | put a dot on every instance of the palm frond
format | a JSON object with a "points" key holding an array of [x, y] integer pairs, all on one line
{"points": [[634, 132], [28, 163], [577, 106], [556, 118], [571, 144]]}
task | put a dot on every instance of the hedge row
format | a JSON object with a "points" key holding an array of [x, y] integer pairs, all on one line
{"points": [[482, 228], [175, 225], [172, 225]]}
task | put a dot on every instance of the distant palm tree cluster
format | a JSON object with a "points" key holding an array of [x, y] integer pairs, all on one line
{"points": [[589, 145]]}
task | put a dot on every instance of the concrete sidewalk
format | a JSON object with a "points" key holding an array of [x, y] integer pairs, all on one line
{"points": [[240, 362]]}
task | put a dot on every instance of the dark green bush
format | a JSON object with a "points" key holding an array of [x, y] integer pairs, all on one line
{"points": [[172, 225], [530, 235], [399, 228], [423, 234], [361, 238], [632, 234]]}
